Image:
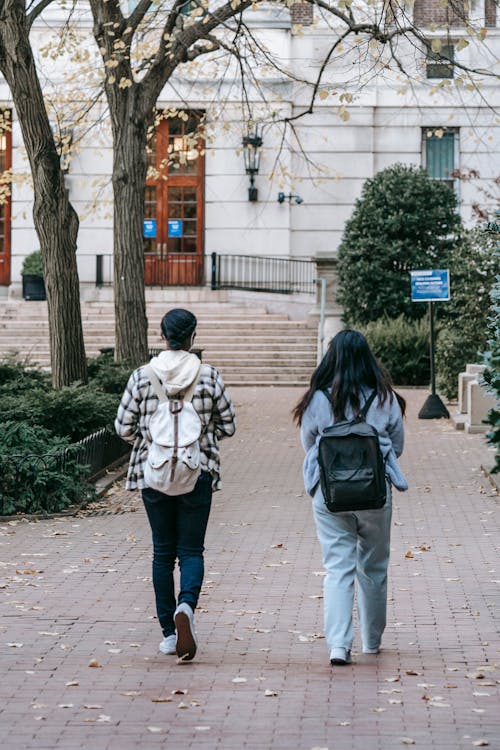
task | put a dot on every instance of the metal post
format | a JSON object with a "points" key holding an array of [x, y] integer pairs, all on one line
{"points": [[214, 272], [433, 407], [322, 316], [432, 349], [98, 271]]}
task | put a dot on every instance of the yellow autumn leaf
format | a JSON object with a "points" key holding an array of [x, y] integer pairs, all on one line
{"points": [[436, 45], [462, 44], [323, 94]]}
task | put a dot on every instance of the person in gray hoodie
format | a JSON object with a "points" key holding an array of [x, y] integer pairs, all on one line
{"points": [[355, 545], [178, 522]]}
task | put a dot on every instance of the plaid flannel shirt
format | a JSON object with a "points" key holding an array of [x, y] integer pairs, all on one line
{"points": [[210, 400]]}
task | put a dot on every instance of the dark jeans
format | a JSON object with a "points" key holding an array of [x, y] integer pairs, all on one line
{"points": [[178, 525]]}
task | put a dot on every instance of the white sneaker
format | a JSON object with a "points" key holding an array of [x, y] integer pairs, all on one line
{"points": [[167, 646], [340, 656], [186, 636]]}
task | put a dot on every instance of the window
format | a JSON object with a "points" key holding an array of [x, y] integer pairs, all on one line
{"points": [[439, 154], [438, 65]]}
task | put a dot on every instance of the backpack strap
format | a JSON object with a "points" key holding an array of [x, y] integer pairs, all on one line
{"points": [[364, 411], [369, 401], [155, 382]]}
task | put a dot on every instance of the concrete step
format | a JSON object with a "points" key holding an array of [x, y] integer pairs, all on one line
{"points": [[249, 345]]}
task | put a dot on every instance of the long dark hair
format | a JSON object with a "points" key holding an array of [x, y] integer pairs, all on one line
{"points": [[347, 367]]}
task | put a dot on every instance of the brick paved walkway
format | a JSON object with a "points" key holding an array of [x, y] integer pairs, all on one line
{"points": [[77, 591]]}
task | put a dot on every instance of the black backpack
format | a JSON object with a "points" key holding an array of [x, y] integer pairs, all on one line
{"points": [[351, 465]]}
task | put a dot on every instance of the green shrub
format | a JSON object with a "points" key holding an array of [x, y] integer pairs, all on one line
{"points": [[463, 333], [403, 220], [74, 411], [492, 373], [33, 477], [402, 346], [18, 376], [32, 264], [107, 374]]}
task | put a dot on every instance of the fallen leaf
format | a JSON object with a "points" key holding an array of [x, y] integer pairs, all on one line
{"points": [[183, 705], [94, 663], [103, 718], [132, 693], [270, 693], [72, 684], [178, 691], [239, 679], [378, 710], [114, 650], [413, 672], [161, 699], [407, 740], [92, 705], [155, 730], [392, 679], [409, 554], [65, 705], [481, 743], [202, 729], [28, 572]]}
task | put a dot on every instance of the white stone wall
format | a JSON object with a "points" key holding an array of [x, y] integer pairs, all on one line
{"points": [[384, 127]]}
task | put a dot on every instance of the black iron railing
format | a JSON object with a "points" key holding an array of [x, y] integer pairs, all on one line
{"points": [[264, 274], [99, 451]]}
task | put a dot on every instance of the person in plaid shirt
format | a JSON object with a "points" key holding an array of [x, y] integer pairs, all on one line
{"points": [[178, 523]]}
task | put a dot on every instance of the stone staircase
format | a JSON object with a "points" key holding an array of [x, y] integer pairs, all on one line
{"points": [[248, 344]]}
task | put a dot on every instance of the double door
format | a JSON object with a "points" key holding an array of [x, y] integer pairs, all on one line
{"points": [[174, 200]]}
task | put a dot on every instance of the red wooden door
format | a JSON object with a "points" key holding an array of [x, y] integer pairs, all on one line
{"points": [[5, 199], [174, 202]]}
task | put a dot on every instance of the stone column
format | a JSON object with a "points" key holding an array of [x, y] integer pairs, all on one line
{"points": [[326, 268]]}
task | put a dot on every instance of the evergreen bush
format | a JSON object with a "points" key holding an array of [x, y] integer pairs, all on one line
{"points": [[110, 376], [34, 477], [492, 360], [402, 347], [32, 264], [463, 320], [403, 221], [40, 421]]}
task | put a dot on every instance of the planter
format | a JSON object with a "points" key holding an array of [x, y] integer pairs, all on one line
{"points": [[33, 287]]}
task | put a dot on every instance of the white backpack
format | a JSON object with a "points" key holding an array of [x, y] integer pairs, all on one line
{"points": [[173, 461]]}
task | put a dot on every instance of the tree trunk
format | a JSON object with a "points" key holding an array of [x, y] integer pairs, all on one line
{"points": [[129, 179], [56, 222]]}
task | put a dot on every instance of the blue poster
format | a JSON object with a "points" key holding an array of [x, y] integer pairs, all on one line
{"points": [[430, 286], [149, 228], [175, 227]]}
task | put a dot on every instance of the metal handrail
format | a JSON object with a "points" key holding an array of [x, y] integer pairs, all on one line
{"points": [[274, 274]]}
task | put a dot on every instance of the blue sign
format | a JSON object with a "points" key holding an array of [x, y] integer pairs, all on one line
{"points": [[149, 228], [430, 286], [175, 227]]}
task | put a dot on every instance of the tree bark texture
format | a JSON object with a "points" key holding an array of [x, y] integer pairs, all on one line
{"points": [[55, 220], [129, 178]]}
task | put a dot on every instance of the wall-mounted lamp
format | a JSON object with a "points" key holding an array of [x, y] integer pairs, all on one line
{"points": [[282, 198], [252, 144]]}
